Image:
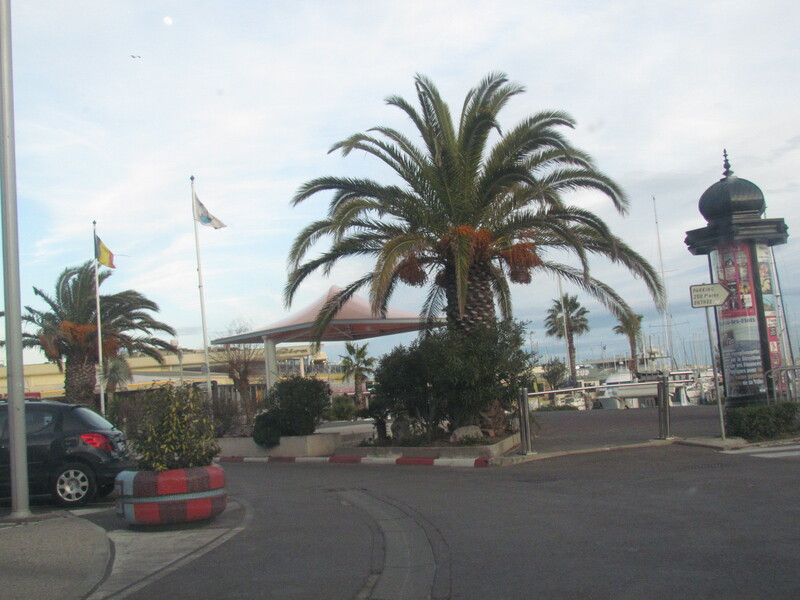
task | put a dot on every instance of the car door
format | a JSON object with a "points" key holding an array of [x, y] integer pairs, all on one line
{"points": [[40, 427]]}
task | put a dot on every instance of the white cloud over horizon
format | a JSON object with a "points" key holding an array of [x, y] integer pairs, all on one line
{"points": [[116, 109]]}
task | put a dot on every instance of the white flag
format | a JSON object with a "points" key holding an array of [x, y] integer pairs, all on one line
{"points": [[206, 218]]}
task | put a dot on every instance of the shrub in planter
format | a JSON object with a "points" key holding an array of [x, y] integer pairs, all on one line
{"points": [[763, 421], [175, 446], [295, 407], [342, 409]]}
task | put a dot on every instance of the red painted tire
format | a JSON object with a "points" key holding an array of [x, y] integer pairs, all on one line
{"points": [[169, 497]]}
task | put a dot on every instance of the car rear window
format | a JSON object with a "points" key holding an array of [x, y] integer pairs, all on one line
{"points": [[88, 418]]}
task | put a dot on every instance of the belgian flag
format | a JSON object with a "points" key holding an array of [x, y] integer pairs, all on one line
{"points": [[102, 254]]}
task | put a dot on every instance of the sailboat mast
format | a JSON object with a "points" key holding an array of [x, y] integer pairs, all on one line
{"points": [[667, 316]]}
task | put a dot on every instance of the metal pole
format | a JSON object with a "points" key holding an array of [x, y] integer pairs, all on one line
{"points": [[20, 501], [714, 373], [200, 287], [99, 323], [524, 422], [663, 407]]}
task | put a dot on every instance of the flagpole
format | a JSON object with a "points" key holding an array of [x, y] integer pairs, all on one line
{"points": [[99, 324], [200, 288]]}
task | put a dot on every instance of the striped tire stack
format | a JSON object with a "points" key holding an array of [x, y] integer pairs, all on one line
{"points": [[168, 497]]}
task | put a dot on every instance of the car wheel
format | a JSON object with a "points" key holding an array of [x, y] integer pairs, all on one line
{"points": [[73, 484]]}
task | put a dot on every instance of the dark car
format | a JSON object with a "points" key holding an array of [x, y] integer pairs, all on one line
{"points": [[74, 454]]}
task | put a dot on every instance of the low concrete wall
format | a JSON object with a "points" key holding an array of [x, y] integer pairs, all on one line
{"points": [[488, 451], [318, 444]]}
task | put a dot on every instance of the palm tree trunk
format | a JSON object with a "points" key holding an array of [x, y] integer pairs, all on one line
{"points": [[359, 396], [79, 382], [479, 306], [573, 373]]}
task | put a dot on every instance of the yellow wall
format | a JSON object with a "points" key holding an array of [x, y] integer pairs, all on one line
{"points": [[48, 381]]}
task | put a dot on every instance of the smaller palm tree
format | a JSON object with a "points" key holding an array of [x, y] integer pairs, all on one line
{"points": [[66, 331], [567, 318], [116, 373], [358, 365], [630, 325]]}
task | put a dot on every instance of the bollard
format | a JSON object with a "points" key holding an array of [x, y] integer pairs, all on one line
{"points": [[663, 407], [524, 423]]}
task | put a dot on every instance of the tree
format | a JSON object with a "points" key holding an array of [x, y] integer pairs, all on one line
{"points": [[358, 365], [469, 217], [630, 325], [67, 331], [454, 377], [566, 317], [240, 362], [554, 371], [116, 372]]}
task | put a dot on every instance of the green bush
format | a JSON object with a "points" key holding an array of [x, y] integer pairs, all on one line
{"points": [[763, 421], [267, 428], [342, 409], [175, 431], [449, 376], [294, 407]]}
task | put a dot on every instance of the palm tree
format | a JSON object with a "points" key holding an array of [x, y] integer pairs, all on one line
{"points": [[469, 217], [67, 331], [116, 372], [630, 325], [567, 318], [358, 365]]}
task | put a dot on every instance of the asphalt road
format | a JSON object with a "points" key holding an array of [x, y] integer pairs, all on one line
{"points": [[657, 523]]}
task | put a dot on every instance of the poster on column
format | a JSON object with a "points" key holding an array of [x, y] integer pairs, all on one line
{"points": [[766, 279], [738, 323]]}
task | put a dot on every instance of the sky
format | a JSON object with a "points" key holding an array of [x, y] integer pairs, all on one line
{"points": [[117, 103]]}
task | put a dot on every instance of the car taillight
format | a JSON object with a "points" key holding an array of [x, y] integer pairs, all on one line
{"points": [[98, 440]]}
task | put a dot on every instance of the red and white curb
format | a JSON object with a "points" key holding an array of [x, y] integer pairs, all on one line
{"points": [[363, 460]]}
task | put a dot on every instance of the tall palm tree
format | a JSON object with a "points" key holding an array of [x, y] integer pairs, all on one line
{"points": [[358, 365], [469, 217], [567, 318], [630, 325], [67, 331]]}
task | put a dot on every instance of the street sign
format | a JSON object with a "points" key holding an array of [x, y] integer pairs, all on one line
{"points": [[708, 294]]}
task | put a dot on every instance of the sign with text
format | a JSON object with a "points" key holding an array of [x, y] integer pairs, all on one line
{"points": [[708, 294]]}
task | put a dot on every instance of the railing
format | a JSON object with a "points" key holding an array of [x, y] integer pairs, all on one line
{"points": [[784, 383], [659, 389]]}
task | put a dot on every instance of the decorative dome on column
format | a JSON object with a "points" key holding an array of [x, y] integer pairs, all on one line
{"points": [[734, 209], [732, 197]]}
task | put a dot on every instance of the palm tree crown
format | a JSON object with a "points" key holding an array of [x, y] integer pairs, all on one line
{"points": [[630, 325], [567, 318], [469, 217], [358, 365], [67, 331]]}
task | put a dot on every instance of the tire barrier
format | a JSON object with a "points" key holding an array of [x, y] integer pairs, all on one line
{"points": [[169, 497]]}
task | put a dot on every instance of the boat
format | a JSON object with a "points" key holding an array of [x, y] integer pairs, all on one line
{"points": [[621, 390]]}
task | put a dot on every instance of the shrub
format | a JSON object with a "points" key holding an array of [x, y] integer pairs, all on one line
{"points": [[379, 410], [763, 421], [454, 377], [342, 409], [295, 407], [175, 431], [267, 428]]}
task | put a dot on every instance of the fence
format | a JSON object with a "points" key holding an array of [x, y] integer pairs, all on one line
{"points": [[660, 390], [784, 384]]}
